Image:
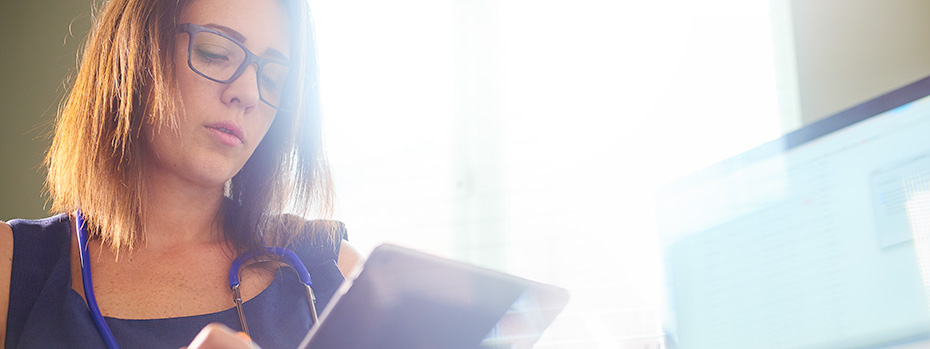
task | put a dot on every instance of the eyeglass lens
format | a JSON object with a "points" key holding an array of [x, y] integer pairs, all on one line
{"points": [[219, 58]]}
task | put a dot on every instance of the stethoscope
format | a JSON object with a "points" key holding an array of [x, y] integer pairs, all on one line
{"points": [[292, 260]]}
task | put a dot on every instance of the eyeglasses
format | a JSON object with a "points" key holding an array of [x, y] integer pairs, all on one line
{"points": [[218, 57]]}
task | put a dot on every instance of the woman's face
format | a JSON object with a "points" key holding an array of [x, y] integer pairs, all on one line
{"points": [[219, 124]]}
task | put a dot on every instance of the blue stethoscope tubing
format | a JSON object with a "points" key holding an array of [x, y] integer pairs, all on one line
{"points": [[292, 260], [89, 286]]}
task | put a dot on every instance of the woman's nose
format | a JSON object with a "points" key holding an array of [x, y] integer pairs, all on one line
{"points": [[243, 91]]}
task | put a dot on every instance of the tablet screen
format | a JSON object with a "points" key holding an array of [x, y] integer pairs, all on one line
{"points": [[402, 298]]}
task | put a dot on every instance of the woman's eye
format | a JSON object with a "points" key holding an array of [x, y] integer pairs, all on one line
{"points": [[273, 76], [271, 84], [211, 55]]}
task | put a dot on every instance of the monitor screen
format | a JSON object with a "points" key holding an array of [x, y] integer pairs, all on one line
{"points": [[809, 241]]}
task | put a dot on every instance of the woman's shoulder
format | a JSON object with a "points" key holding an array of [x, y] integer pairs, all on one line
{"points": [[292, 230], [349, 259], [54, 226], [34, 242], [42, 234], [318, 241], [6, 241], [33, 248], [6, 244], [6, 270]]}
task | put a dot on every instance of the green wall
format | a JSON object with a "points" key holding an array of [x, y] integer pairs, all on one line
{"points": [[38, 44]]}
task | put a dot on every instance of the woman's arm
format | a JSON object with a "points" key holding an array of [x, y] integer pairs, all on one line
{"points": [[348, 259], [6, 269]]}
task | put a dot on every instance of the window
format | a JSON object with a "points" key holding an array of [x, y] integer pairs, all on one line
{"points": [[529, 136]]}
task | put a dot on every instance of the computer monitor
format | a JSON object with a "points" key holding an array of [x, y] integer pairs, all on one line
{"points": [[813, 240]]}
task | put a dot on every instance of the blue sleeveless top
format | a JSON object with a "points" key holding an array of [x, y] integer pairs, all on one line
{"points": [[44, 312]]}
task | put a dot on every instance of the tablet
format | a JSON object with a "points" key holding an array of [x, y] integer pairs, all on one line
{"points": [[402, 298]]}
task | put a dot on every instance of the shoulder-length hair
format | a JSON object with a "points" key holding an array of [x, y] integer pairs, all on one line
{"points": [[126, 80]]}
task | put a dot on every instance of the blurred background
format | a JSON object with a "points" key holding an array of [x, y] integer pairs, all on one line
{"points": [[527, 136]]}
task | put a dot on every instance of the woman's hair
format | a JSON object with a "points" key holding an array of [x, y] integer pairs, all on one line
{"points": [[126, 80]]}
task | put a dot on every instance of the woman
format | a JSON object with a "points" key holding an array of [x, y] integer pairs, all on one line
{"points": [[192, 126]]}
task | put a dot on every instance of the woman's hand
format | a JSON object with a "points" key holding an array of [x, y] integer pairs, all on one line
{"points": [[217, 336]]}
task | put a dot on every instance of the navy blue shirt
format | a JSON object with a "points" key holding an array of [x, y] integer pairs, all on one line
{"points": [[45, 312]]}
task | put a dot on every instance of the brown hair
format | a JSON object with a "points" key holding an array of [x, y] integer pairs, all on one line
{"points": [[125, 80]]}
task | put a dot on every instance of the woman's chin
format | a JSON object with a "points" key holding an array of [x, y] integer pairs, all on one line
{"points": [[210, 178]]}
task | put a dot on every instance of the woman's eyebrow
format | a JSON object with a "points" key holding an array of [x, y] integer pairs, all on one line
{"points": [[276, 54], [229, 31]]}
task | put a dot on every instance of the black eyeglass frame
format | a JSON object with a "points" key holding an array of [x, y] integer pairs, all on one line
{"points": [[193, 29]]}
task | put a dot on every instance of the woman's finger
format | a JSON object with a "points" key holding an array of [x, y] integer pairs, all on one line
{"points": [[218, 336]]}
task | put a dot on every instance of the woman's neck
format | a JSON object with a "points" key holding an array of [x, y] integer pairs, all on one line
{"points": [[180, 212]]}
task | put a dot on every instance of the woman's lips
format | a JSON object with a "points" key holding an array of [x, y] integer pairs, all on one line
{"points": [[227, 133]]}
